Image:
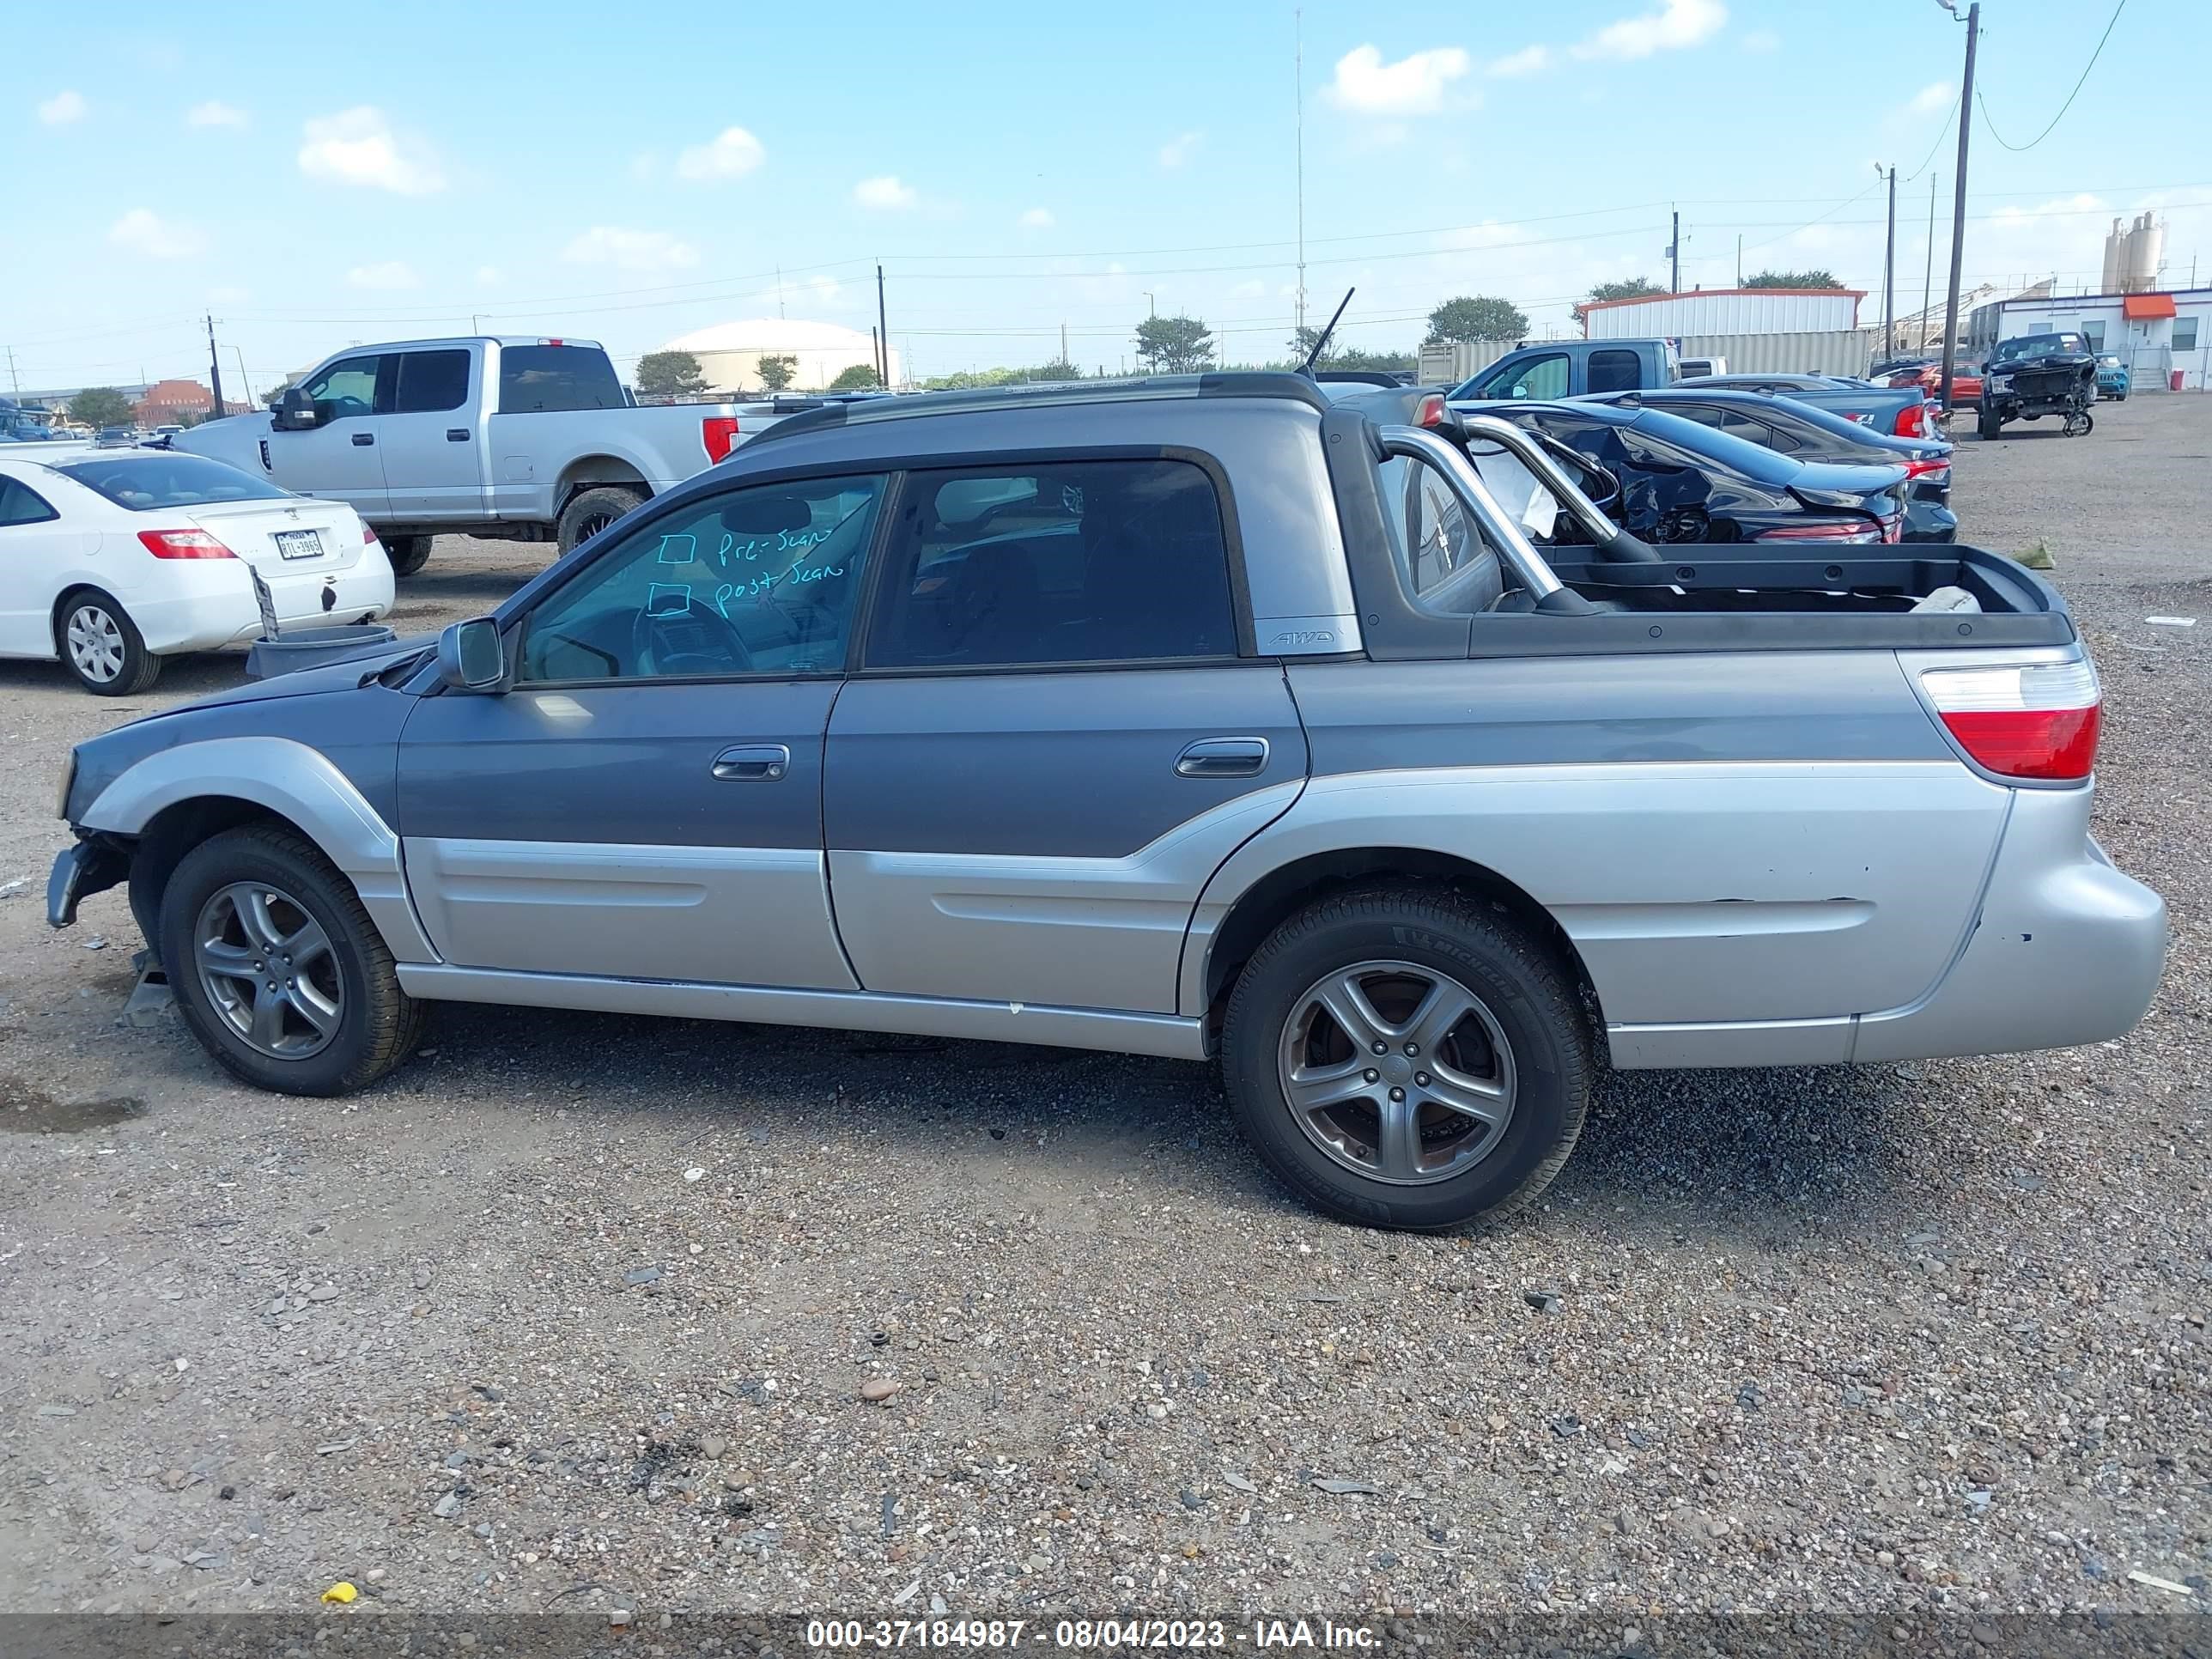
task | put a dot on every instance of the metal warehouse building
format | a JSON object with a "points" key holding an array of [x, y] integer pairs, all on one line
{"points": [[1723, 311]]}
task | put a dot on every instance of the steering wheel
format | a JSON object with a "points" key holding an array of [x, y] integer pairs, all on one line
{"points": [[697, 640]]}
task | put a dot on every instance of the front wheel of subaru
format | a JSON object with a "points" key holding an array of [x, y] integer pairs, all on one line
{"points": [[278, 968]]}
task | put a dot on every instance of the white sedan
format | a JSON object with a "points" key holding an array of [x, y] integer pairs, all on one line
{"points": [[111, 560]]}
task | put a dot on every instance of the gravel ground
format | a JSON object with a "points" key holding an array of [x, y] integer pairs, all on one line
{"points": [[596, 1312]]}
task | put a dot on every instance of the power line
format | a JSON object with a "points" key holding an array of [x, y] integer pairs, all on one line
{"points": [[1984, 105]]}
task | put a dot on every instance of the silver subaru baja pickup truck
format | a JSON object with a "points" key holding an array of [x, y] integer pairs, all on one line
{"points": [[1195, 717]]}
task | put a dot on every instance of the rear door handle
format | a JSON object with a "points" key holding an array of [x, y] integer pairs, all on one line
{"points": [[362, 440], [457, 435], [753, 762], [1223, 757]]}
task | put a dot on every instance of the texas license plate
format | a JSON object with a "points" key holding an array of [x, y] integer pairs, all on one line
{"points": [[299, 545]]}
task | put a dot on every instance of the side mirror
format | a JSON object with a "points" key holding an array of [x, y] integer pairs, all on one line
{"points": [[295, 411], [472, 656]]}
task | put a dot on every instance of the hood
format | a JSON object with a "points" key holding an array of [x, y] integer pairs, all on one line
{"points": [[306, 682]]}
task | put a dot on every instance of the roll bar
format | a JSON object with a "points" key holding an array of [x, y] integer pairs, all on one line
{"points": [[1529, 570], [1614, 544]]}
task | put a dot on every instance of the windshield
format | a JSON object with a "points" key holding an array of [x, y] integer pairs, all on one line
{"points": [[144, 483], [2037, 345]]}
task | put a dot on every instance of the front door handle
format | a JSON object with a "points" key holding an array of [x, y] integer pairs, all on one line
{"points": [[362, 440], [753, 762], [1223, 757], [457, 435]]}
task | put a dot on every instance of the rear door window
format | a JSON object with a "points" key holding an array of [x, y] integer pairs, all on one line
{"points": [[1036, 562], [145, 482], [1615, 371], [430, 381], [536, 379]]}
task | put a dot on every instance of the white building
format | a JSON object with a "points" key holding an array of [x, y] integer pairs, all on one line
{"points": [[2155, 335], [730, 354], [1722, 311]]}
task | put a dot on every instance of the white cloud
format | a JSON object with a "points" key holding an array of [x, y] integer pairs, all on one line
{"points": [[386, 274], [228, 295], [61, 108], [1677, 23], [1414, 85], [358, 147], [884, 192], [1251, 288], [1529, 60], [488, 277], [215, 113], [1762, 41], [630, 250], [825, 290], [1038, 219], [732, 153], [142, 231], [1180, 149], [1935, 95]]}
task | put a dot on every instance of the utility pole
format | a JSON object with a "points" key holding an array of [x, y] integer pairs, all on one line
{"points": [[214, 368], [1889, 274], [1299, 96], [1063, 339], [1958, 198], [1739, 259], [1675, 257], [884, 330], [244, 386], [1151, 301], [875, 355], [18, 384], [779, 290], [1928, 275]]}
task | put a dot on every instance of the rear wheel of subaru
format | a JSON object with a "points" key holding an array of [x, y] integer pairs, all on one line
{"points": [[101, 645], [1408, 1060], [278, 968]]}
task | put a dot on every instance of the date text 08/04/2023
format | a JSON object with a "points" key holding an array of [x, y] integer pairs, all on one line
{"points": [[1088, 1634]]}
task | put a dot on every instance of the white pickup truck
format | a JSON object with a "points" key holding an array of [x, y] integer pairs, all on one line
{"points": [[524, 439]]}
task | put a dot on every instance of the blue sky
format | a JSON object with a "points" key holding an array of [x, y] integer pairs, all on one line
{"points": [[320, 176]]}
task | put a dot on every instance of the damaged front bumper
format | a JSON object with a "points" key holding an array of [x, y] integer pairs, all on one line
{"points": [[93, 865]]}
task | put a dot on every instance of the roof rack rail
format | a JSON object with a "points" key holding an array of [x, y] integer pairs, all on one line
{"points": [[1213, 383]]}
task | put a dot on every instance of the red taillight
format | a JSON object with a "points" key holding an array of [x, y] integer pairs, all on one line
{"points": [[1825, 530], [367, 535], [1433, 410], [1912, 421], [2037, 721], [1926, 466], [183, 545], [719, 433]]}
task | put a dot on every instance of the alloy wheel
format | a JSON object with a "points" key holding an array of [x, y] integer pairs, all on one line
{"points": [[268, 969], [1397, 1072]]}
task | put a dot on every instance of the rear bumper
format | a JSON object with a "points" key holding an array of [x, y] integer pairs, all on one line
{"points": [[2066, 950], [226, 612]]}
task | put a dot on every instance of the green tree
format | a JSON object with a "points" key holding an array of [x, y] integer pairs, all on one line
{"points": [[860, 377], [775, 372], [1302, 344], [101, 405], [1174, 345], [1475, 317], [1355, 357], [670, 375], [1793, 279], [1633, 288], [1057, 369]]}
